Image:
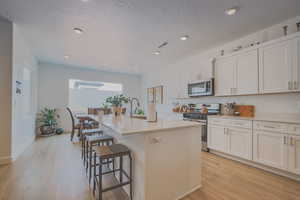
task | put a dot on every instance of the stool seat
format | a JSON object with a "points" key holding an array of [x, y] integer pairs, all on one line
{"points": [[97, 138], [115, 150], [91, 131]]}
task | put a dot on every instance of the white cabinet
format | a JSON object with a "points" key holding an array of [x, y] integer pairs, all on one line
{"points": [[276, 67], [270, 149], [296, 65], [294, 154], [247, 73], [225, 81], [227, 136], [272, 144], [238, 74], [239, 142], [216, 138]]}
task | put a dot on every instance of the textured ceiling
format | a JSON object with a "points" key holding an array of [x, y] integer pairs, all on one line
{"points": [[121, 35]]}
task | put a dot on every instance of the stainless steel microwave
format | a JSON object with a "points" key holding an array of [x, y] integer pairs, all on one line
{"points": [[201, 88]]}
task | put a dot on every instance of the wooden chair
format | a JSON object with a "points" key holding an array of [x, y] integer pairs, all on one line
{"points": [[79, 126], [74, 126]]}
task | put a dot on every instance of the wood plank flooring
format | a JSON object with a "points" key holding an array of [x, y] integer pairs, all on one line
{"points": [[51, 169]]}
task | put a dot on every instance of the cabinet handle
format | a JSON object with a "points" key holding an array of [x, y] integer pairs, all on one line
{"points": [[269, 126], [291, 141], [296, 85], [289, 85]]}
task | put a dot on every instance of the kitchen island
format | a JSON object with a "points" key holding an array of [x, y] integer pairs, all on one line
{"points": [[166, 153]]}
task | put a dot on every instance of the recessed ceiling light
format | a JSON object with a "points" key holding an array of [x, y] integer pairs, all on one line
{"points": [[185, 37], [85, 1], [78, 30], [66, 57], [231, 11], [156, 52]]}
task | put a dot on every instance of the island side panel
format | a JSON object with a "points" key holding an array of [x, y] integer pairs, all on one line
{"points": [[173, 163], [136, 143]]}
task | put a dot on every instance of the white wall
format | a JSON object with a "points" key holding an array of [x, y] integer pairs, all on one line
{"points": [[23, 112], [199, 65], [6, 29], [53, 84]]}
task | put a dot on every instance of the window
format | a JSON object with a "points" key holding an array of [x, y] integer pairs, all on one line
{"points": [[90, 94]]}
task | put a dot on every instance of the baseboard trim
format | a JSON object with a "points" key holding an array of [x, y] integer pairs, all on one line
{"points": [[259, 166], [189, 192], [6, 160]]}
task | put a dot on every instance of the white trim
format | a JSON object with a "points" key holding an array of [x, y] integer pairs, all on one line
{"points": [[257, 165], [189, 192], [5, 160]]}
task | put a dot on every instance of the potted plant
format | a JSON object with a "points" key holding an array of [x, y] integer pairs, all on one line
{"points": [[117, 102], [106, 108], [48, 121]]}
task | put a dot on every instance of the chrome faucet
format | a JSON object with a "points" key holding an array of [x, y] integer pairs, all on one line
{"points": [[131, 104]]}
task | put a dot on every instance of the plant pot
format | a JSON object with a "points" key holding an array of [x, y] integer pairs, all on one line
{"points": [[116, 110], [47, 130]]}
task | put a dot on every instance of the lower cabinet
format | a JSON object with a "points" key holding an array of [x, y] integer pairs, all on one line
{"points": [[270, 149], [294, 154], [234, 141], [272, 144], [239, 142], [216, 138]]}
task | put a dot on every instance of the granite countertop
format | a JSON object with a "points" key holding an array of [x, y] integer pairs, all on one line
{"points": [[283, 118], [124, 125]]}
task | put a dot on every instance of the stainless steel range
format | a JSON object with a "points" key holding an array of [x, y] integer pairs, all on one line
{"points": [[200, 115]]}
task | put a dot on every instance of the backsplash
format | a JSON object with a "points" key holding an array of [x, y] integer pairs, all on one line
{"points": [[264, 104]]}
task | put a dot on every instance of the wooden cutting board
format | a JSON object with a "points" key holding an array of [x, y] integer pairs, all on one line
{"points": [[245, 110]]}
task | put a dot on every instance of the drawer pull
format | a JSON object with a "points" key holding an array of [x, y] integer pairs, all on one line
{"points": [[269, 127]]}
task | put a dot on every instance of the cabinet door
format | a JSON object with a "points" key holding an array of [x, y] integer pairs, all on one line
{"points": [[296, 65], [216, 138], [239, 142], [275, 67], [294, 154], [225, 70], [270, 149], [247, 73]]}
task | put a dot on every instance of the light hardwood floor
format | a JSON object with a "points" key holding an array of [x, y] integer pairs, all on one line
{"points": [[51, 169]]}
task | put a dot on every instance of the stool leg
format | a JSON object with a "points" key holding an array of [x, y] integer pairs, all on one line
{"points": [[131, 189], [86, 151], [94, 179], [82, 149], [100, 180], [90, 163], [114, 169], [121, 169]]}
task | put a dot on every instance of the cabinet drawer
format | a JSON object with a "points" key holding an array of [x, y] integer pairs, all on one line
{"points": [[270, 126], [240, 123], [216, 121], [294, 129]]}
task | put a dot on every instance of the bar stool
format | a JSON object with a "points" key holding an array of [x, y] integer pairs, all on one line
{"points": [[104, 155], [91, 141], [84, 133]]}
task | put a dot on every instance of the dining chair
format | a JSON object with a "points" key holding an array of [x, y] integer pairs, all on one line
{"points": [[74, 125]]}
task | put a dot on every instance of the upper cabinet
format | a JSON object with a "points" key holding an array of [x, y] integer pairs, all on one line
{"points": [[273, 67], [247, 73], [276, 67], [225, 82], [296, 65], [237, 75]]}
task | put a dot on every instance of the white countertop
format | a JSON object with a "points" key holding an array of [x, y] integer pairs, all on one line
{"points": [[283, 118], [124, 125]]}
